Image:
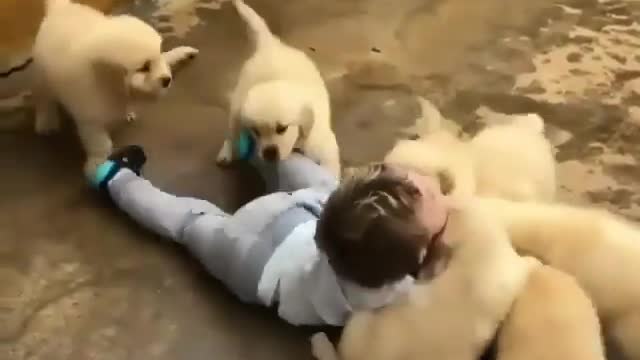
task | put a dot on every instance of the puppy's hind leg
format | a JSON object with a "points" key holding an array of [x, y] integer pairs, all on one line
{"points": [[46, 110], [97, 145]]}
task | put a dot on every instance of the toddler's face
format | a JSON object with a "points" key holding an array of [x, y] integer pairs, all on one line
{"points": [[432, 209]]}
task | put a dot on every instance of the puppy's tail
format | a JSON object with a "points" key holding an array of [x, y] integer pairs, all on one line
{"points": [[532, 122], [260, 32], [52, 4]]}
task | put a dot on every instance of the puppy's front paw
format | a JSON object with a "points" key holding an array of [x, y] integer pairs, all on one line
{"points": [[131, 116], [225, 156], [322, 348], [330, 163], [91, 165], [334, 167], [188, 52], [47, 124], [181, 54]]}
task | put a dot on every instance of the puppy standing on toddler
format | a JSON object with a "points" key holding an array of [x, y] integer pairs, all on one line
{"points": [[95, 65], [282, 99]]}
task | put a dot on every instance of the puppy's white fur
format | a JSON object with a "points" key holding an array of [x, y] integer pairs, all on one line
{"points": [[551, 319], [280, 88], [454, 315], [95, 65], [601, 250], [512, 160], [440, 153]]}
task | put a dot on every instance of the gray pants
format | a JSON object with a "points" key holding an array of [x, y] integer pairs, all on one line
{"points": [[233, 248]]}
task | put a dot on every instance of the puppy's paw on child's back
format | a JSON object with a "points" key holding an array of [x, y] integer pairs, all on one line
{"points": [[322, 348]]}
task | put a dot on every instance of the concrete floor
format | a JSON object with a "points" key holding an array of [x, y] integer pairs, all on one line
{"points": [[78, 281]]}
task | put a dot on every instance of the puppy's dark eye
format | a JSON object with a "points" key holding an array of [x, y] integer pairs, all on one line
{"points": [[145, 67], [280, 129]]}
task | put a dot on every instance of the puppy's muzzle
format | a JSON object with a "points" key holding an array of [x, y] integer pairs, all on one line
{"points": [[271, 153], [165, 81]]}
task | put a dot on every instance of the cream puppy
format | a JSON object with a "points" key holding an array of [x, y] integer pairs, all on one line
{"points": [[601, 250], [451, 316], [281, 98], [512, 160], [551, 319], [95, 65]]}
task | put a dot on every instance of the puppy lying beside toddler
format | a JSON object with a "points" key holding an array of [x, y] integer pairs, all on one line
{"points": [[599, 249]]}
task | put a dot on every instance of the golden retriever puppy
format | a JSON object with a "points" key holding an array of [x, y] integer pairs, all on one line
{"points": [[512, 160], [601, 250], [95, 66], [453, 315], [551, 319], [281, 98]]}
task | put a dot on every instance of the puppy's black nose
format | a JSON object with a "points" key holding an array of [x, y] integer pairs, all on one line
{"points": [[165, 81], [271, 153]]}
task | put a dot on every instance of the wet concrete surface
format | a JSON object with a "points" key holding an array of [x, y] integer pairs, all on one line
{"points": [[80, 281]]}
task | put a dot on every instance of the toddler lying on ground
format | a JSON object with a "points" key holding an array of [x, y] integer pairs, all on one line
{"points": [[317, 254], [277, 249]]}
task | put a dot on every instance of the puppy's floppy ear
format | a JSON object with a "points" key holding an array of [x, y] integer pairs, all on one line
{"points": [[306, 119]]}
